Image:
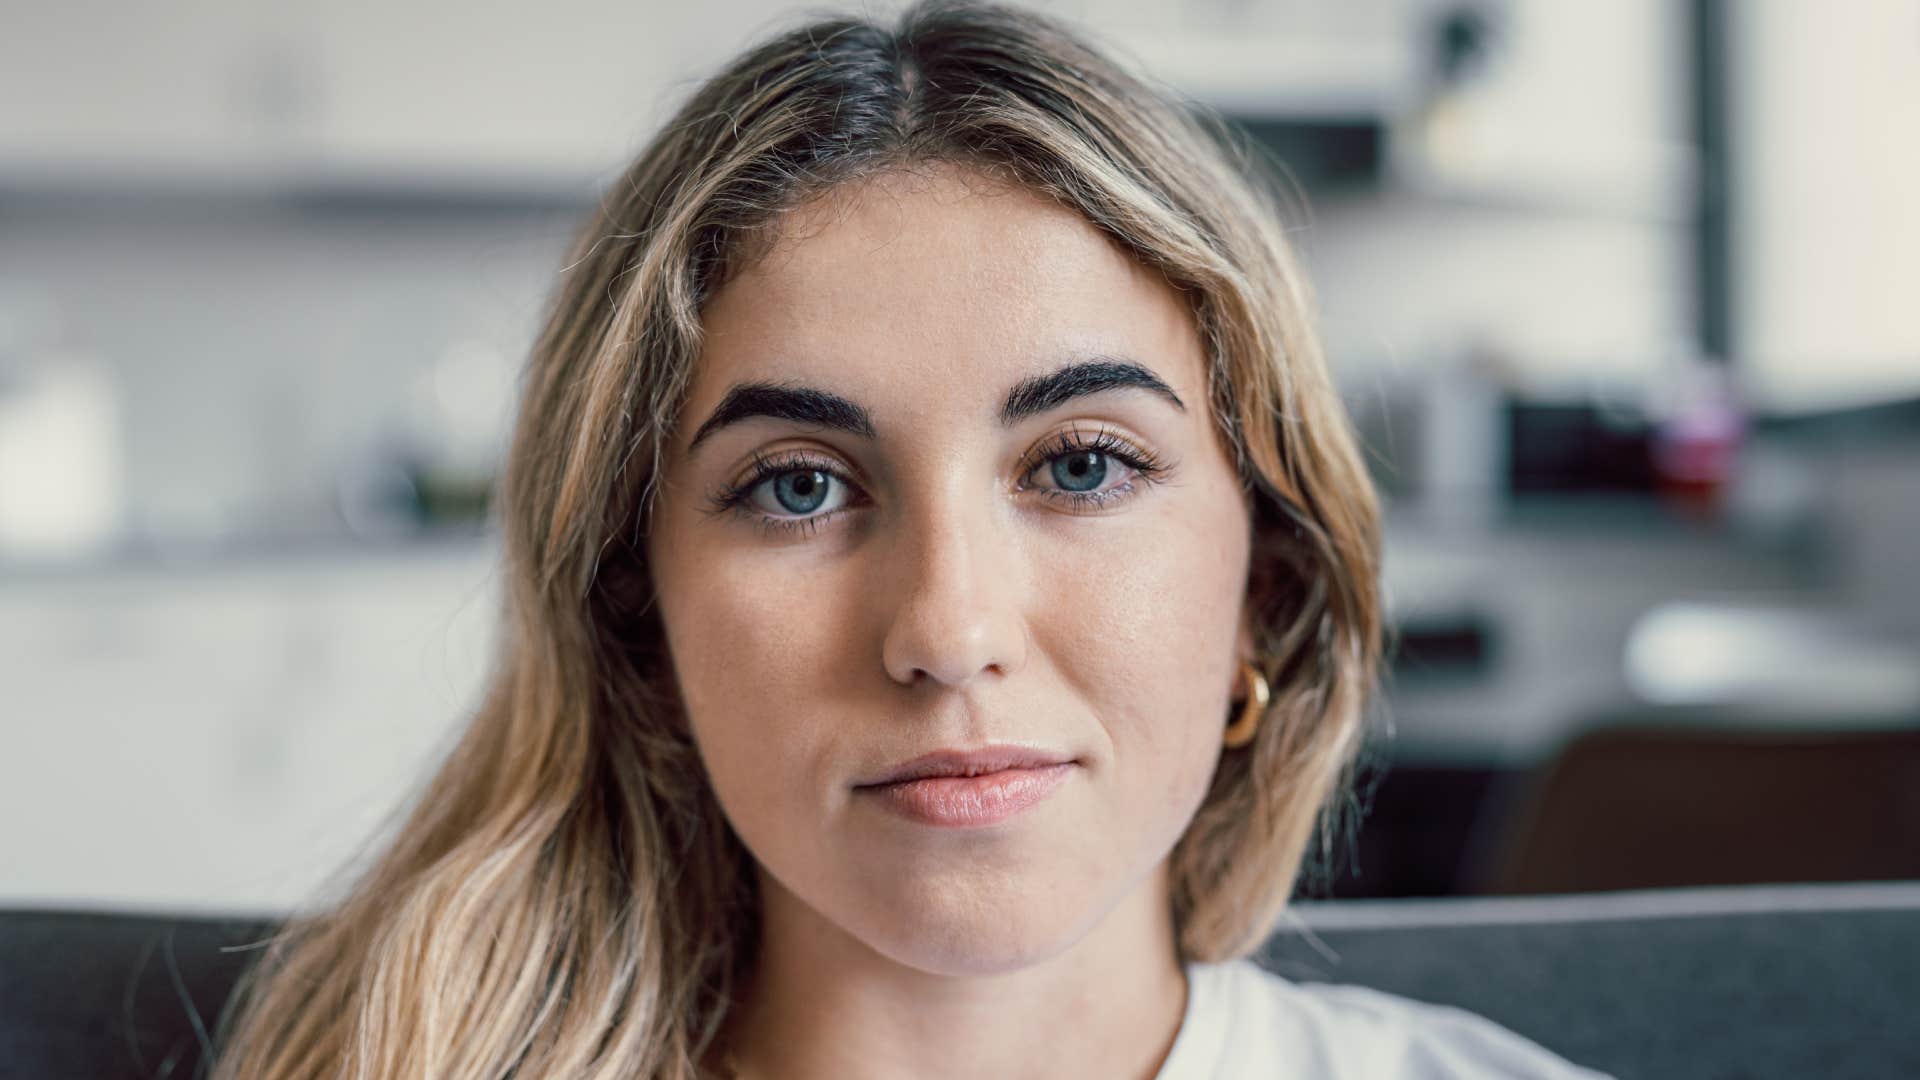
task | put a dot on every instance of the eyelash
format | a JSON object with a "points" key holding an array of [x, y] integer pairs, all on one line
{"points": [[1147, 469]]}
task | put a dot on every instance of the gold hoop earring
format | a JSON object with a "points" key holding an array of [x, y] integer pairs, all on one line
{"points": [[1240, 732]]}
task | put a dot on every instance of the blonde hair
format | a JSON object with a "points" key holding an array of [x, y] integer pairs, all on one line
{"points": [[564, 898]]}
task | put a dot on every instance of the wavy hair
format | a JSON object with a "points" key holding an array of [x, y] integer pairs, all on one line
{"points": [[563, 897]]}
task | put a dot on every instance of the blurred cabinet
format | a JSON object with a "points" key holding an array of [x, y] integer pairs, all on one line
{"points": [[226, 737], [1353, 60], [1562, 109], [435, 89], [93, 86], [224, 93], [433, 93]]}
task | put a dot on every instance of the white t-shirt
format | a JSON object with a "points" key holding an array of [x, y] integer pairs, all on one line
{"points": [[1243, 1021]]}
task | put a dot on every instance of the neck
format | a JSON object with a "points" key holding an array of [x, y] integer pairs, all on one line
{"points": [[822, 1003]]}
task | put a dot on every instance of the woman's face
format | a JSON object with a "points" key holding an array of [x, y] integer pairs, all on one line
{"points": [[932, 564]]}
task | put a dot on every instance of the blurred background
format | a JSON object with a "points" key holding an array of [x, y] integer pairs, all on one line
{"points": [[1622, 296]]}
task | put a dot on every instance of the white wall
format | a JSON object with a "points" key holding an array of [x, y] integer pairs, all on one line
{"points": [[1826, 146]]}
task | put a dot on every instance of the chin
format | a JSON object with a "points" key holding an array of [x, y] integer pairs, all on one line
{"points": [[969, 954], [958, 931]]}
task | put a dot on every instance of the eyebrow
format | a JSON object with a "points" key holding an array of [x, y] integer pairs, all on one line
{"points": [[1031, 396]]}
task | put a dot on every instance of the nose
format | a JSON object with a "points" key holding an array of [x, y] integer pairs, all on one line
{"points": [[954, 586]]}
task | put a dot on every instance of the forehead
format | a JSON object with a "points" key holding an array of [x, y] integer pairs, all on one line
{"points": [[937, 290]]}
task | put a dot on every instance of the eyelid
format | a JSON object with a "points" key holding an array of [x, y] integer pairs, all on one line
{"points": [[763, 466]]}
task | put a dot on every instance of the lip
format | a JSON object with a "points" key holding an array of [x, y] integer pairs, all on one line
{"points": [[969, 801], [970, 763]]}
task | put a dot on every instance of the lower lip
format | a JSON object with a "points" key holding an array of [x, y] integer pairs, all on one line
{"points": [[970, 801]]}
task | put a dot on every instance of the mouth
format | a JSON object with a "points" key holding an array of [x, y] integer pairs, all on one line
{"points": [[970, 790]]}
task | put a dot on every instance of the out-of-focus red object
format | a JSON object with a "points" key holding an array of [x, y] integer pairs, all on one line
{"points": [[1696, 445]]}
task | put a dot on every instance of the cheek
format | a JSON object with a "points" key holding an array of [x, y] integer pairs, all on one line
{"points": [[1145, 626], [755, 653]]}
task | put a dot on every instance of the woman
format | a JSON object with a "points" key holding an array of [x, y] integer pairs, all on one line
{"points": [[942, 598]]}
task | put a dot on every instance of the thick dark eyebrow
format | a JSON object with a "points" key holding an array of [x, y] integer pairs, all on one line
{"points": [[1029, 397]]}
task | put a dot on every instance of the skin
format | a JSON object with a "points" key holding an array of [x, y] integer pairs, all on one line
{"points": [[950, 599]]}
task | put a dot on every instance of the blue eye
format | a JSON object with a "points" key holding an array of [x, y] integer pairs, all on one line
{"points": [[1080, 471], [795, 485], [802, 492], [798, 485], [1079, 465], [799, 491]]}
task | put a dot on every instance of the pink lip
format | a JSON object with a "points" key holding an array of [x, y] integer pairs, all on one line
{"points": [[970, 801], [986, 759]]}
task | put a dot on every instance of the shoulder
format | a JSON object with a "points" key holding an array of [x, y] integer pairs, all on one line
{"points": [[1280, 1027]]}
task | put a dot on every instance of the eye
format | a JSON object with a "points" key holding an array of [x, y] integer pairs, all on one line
{"points": [[1081, 466], [800, 492], [786, 494]]}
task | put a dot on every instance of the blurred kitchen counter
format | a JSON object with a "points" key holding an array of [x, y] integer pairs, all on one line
{"points": [[1551, 590]]}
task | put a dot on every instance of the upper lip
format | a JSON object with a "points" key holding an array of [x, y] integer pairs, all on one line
{"points": [[987, 759]]}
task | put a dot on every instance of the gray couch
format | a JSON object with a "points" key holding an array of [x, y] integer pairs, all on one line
{"points": [[1802, 982]]}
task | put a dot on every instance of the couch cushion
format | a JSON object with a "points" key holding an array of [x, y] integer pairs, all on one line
{"points": [[1794, 981], [1751, 982], [115, 994]]}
